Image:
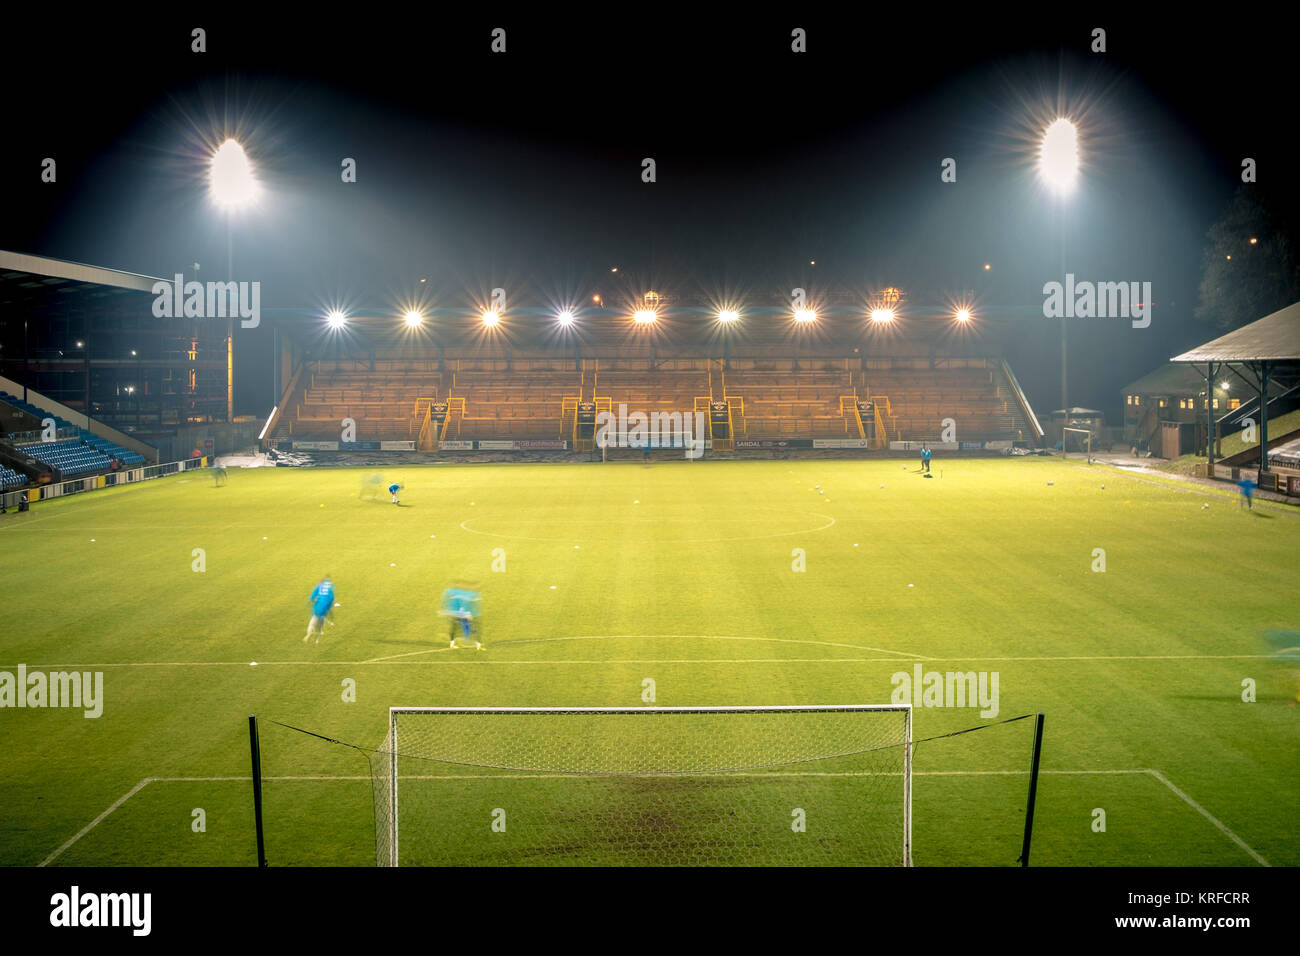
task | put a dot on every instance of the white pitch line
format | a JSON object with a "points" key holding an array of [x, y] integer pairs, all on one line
{"points": [[95, 822], [766, 774], [483, 659], [1206, 813], [393, 657], [750, 537], [637, 637]]}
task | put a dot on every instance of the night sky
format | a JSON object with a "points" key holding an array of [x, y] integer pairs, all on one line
{"points": [[523, 169]]}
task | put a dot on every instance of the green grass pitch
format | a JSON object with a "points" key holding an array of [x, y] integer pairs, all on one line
{"points": [[682, 572]]}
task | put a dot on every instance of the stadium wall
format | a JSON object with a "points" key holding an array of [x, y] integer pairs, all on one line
{"points": [[61, 489]]}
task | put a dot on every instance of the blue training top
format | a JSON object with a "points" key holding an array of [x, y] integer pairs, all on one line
{"points": [[322, 598], [460, 602]]}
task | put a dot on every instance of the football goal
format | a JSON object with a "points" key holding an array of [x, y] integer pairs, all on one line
{"points": [[1078, 440], [647, 786]]}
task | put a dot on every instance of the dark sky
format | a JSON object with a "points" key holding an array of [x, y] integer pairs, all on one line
{"points": [[523, 169]]}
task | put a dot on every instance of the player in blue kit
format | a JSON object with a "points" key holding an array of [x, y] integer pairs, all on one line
{"points": [[321, 600], [1246, 487], [393, 489], [462, 604]]}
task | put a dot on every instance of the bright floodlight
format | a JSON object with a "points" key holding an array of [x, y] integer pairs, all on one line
{"points": [[963, 315], [805, 315], [231, 176], [564, 318], [1058, 160], [644, 316], [491, 318], [728, 315], [336, 319], [414, 319], [882, 315]]}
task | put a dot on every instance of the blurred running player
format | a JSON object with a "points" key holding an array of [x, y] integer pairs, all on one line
{"points": [[1247, 488], [463, 605], [321, 600]]}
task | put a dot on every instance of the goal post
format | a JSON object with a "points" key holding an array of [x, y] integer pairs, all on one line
{"points": [[1082, 436], [650, 786]]}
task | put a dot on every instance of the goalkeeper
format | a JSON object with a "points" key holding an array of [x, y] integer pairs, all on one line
{"points": [[463, 605]]}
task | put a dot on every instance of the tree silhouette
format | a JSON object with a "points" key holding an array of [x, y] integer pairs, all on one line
{"points": [[1241, 280]]}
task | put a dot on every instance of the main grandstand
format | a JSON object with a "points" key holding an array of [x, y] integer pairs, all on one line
{"points": [[778, 386]]}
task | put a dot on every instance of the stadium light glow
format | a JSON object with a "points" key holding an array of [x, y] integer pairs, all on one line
{"points": [[564, 318], [644, 316], [491, 318], [336, 319], [728, 315], [230, 176], [882, 316], [1058, 157], [414, 319], [805, 315], [962, 315]]}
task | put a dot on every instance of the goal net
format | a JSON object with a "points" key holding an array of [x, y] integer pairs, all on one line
{"points": [[1076, 440], [673, 786]]}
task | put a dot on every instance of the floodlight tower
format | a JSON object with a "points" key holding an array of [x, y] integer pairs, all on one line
{"points": [[233, 186], [1058, 166]]}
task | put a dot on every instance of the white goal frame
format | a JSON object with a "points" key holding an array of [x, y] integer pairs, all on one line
{"points": [[1087, 444], [395, 751]]}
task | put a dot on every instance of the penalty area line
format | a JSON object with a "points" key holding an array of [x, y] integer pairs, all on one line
{"points": [[97, 821], [1156, 774], [483, 659]]}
